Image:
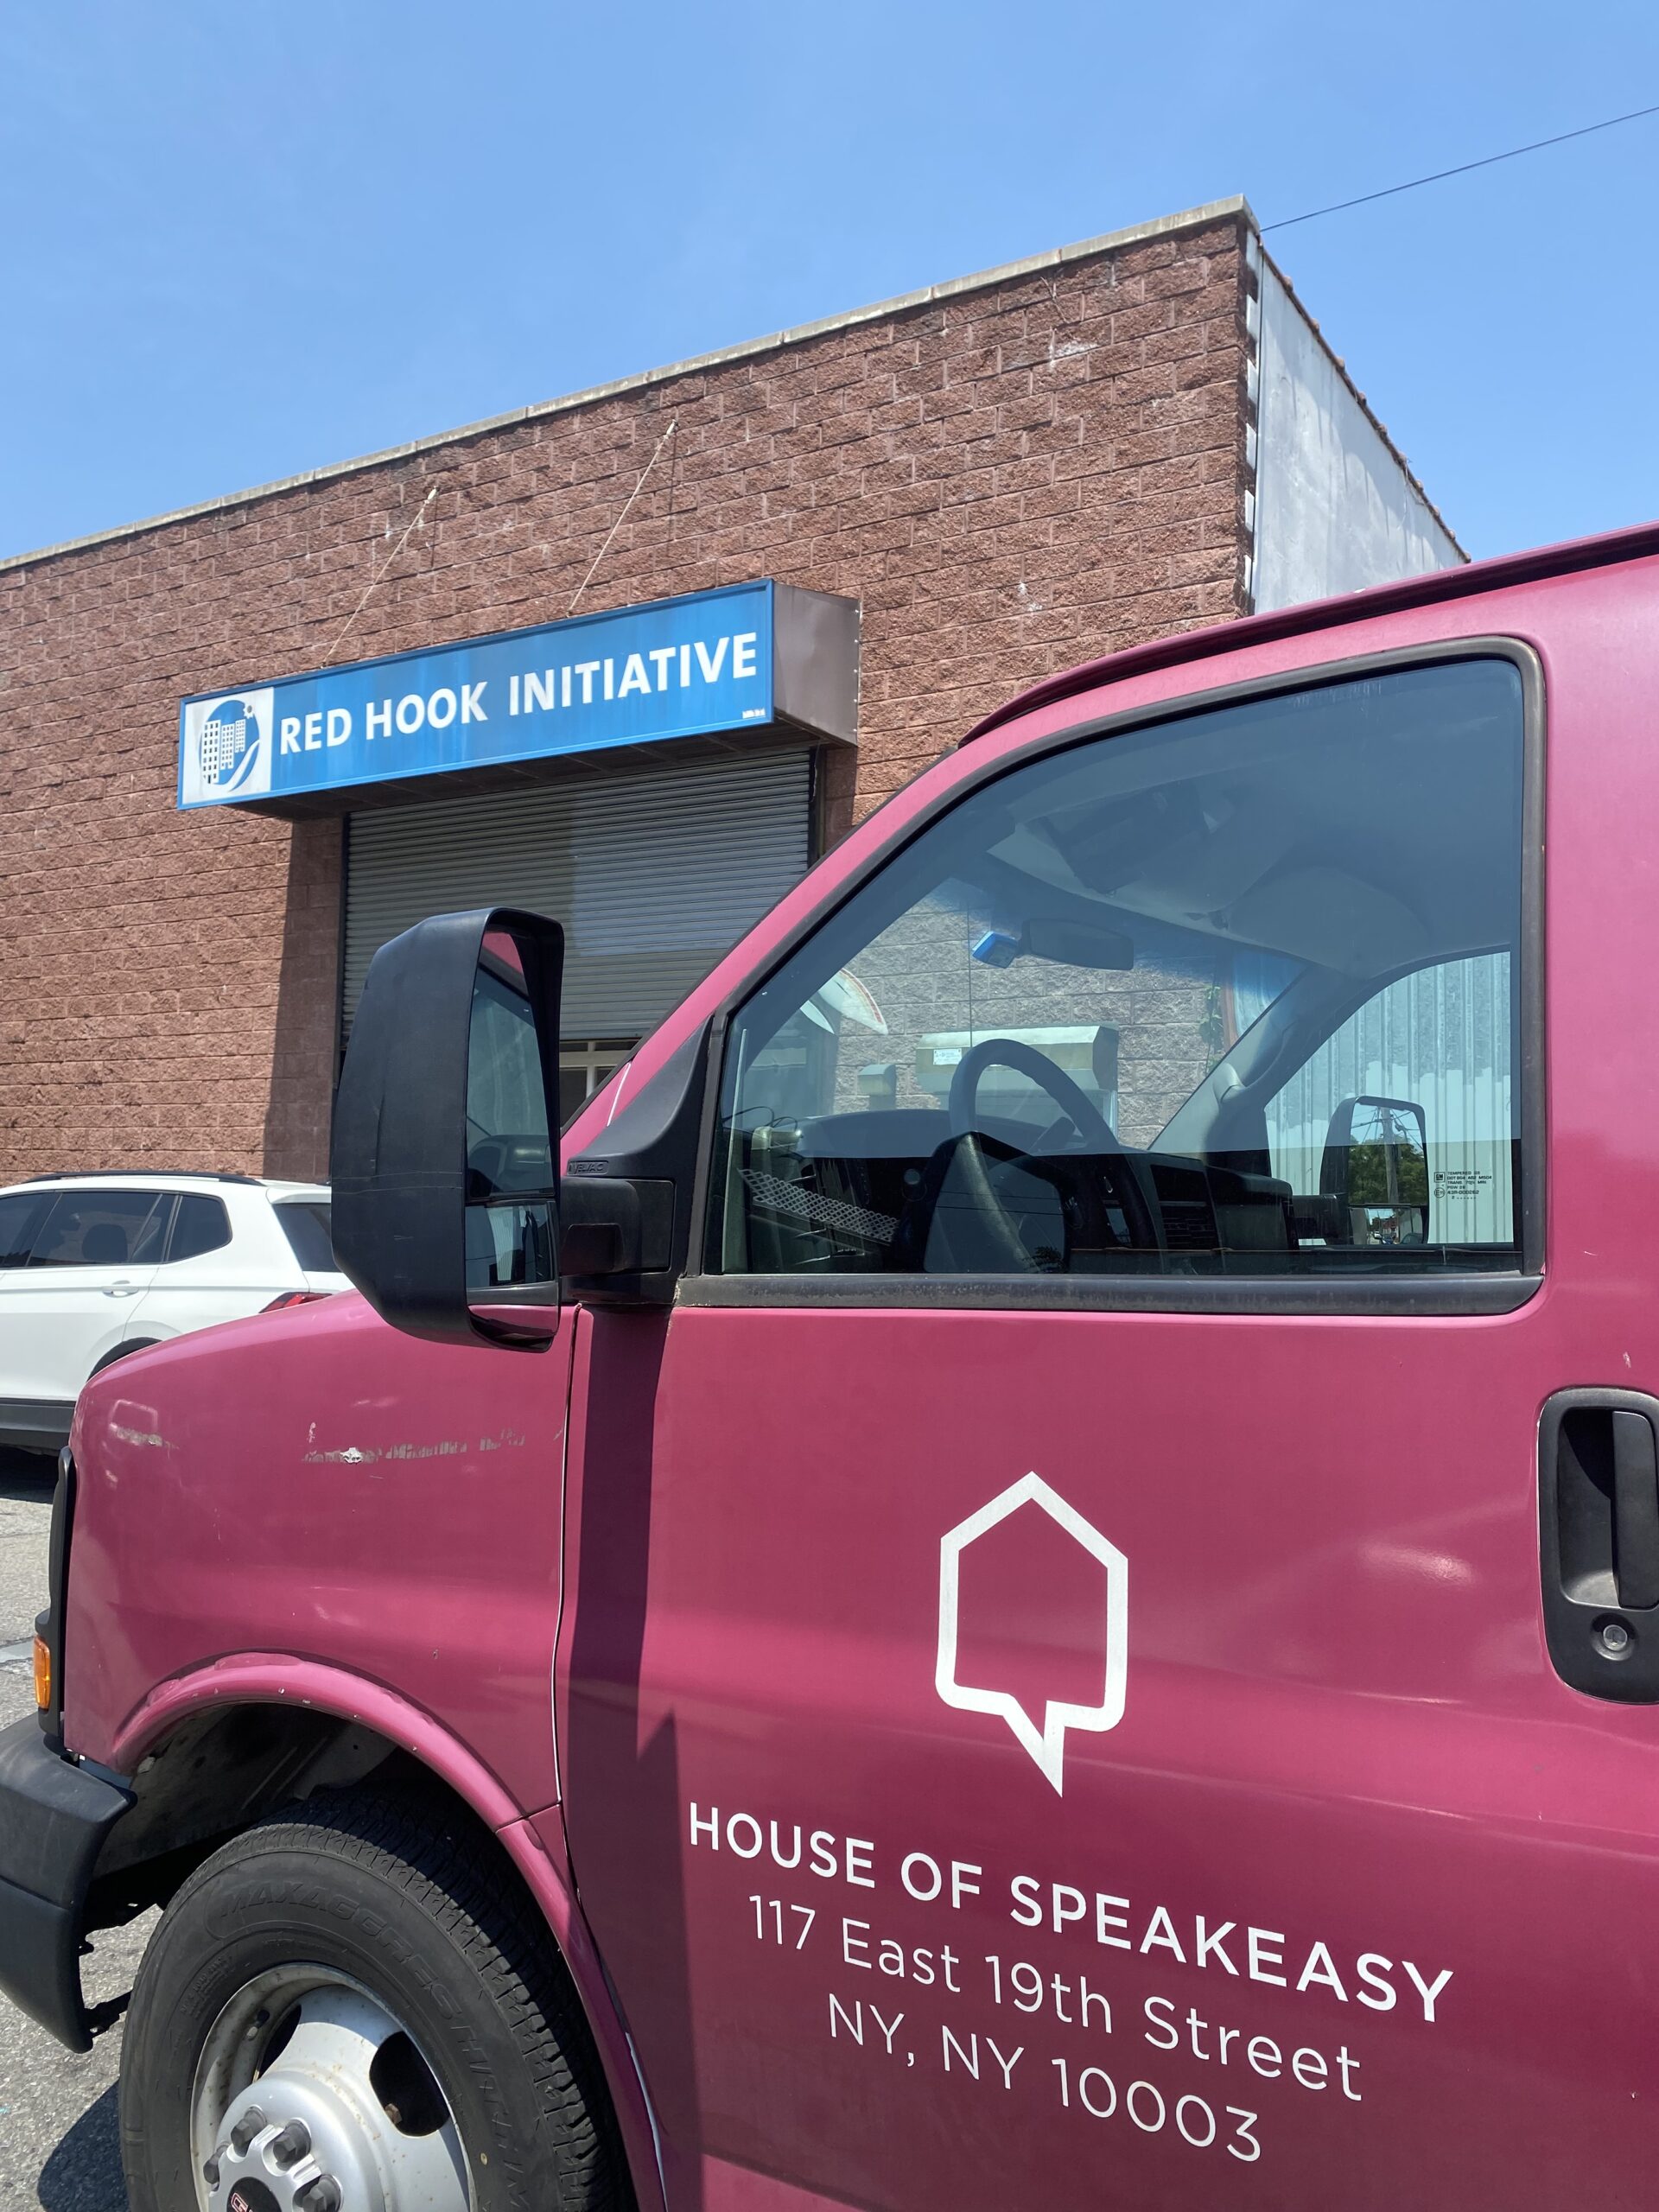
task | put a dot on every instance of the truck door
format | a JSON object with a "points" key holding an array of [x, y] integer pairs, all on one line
{"points": [[1053, 1707]]}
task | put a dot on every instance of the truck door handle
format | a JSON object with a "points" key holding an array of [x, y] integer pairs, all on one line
{"points": [[1598, 1540], [1635, 1511]]}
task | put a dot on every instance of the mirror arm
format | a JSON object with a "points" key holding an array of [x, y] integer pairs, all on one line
{"points": [[613, 1225], [625, 1202]]}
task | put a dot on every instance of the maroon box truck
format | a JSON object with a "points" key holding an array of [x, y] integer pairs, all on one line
{"points": [[1033, 1582]]}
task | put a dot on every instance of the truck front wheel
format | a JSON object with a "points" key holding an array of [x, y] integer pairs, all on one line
{"points": [[353, 2006]]}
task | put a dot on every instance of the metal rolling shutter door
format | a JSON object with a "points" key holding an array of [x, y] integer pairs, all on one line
{"points": [[655, 872]]}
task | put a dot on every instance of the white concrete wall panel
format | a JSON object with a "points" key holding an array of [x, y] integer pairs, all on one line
{"points": [[1335, 508]]}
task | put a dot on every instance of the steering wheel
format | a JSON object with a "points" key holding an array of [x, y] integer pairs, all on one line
{"points": [[1079, 1109]]}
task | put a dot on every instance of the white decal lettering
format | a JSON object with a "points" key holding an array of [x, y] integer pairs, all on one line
{"points": [[1008, 2065], [1154, 2008], [1266, 1952], [933, 1878], [1167, 1940], [1208, 1943], [1374, 1970], [1429, 1990], [1321, 1966]]}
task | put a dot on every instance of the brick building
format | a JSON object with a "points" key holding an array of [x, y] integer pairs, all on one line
{"points": [[979, 483]]}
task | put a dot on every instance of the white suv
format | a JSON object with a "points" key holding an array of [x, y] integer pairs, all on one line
{"points": [[95, 1266]]}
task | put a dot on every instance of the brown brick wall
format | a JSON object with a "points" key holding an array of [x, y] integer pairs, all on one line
{"points": [[1007, 481]]}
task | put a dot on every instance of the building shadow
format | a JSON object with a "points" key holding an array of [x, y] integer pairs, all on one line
{"points": [[83, 2171], [305, 1041], [623, 1793]]}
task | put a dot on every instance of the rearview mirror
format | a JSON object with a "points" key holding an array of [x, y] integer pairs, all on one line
{"points": [[1073, 942], [444, 1159], [1375, 1169]]}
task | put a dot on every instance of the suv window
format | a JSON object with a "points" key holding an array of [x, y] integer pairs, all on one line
{"points": [[21, 1215], [102, 1229], [1233, 993], [201, 1224], [306, 1225]]}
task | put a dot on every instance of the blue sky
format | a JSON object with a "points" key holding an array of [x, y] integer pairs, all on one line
{"points": [[245, 240]]}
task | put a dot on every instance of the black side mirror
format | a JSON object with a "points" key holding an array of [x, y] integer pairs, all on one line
{"points": [[1373, 1173], [444, 1161]]}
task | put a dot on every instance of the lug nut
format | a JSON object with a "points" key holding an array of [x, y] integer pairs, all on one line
{"points": [[323, 2196], [253, 2122], [292, 2144], [210, 2172]]}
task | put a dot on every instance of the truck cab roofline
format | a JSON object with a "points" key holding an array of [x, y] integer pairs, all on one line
{"points": [[1638, 542]]}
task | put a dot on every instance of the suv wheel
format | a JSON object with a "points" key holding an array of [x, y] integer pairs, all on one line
{"points": [[120, 1351], [350, 2005]]}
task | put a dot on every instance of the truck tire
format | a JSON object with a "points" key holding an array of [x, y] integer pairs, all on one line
{"points": [[350, 2004]]}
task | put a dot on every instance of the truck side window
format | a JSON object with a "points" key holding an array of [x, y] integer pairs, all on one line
{"points": [[1234, 994]]}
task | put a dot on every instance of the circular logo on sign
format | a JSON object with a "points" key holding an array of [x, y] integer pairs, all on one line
{"points": [[253, 2197], [228, 747]]}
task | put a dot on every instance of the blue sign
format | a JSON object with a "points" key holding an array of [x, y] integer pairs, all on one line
{"points": [[676, 667]]}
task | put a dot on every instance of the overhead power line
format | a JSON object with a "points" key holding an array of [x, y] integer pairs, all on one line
{"points": [[419, 515], [622, 517], [1462, 168]]}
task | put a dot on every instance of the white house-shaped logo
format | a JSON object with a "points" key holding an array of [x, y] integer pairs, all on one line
{"points": [[1047, 1744]]}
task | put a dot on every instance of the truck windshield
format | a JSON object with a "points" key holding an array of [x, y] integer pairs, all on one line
{"points": [[1232, 992]]}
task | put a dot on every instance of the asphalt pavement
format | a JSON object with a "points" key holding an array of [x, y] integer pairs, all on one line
{"points": [[58, 2139]]}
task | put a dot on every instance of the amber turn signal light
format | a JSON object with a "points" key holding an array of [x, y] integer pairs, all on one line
{"points": [[42, 1673]]}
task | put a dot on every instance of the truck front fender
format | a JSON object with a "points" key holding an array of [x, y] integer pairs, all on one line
{"points": [[271, 1678]]}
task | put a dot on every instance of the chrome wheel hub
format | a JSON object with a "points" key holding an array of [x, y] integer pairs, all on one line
{"points": [[310, 2096]]}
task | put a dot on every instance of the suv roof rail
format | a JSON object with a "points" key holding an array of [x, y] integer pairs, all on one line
{"points": [[172, 1174]]}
